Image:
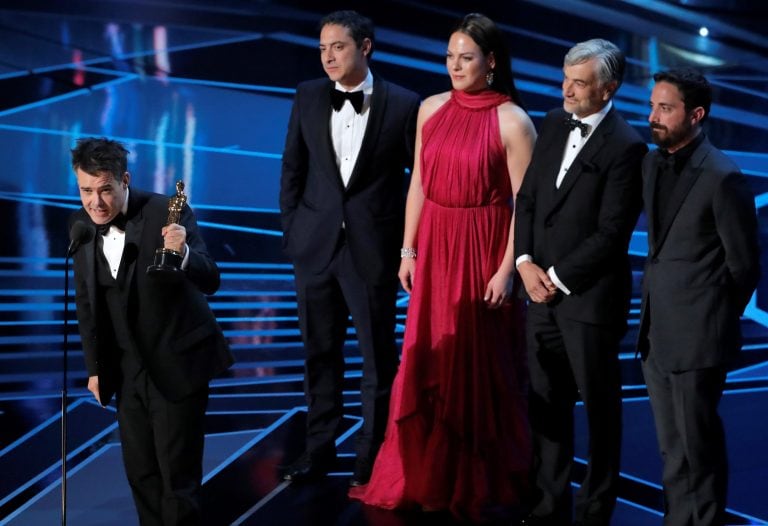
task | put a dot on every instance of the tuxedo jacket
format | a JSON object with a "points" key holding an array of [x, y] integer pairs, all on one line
{"points": [[703, 262], [172, 327], [583, 227], [313, 200]]}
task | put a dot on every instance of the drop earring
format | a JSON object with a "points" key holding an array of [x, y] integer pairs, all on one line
{"points": [[489, 78]]}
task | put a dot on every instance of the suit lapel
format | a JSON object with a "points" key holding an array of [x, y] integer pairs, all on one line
{"points": [[583, 161], [551, 163], [89, 252], [688, 177], [649, 196], [318, 122], [372, 129], [133, 231]]}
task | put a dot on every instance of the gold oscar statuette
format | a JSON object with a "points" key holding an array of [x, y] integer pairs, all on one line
{"points": [[167, 264]]}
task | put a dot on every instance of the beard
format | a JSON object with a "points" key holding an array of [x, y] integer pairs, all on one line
{"points": [[666, 138]]}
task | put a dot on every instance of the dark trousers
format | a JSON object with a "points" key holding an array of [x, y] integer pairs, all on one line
{"points": [[691, 440], [569, 360], [162, 444], [325, 301]]}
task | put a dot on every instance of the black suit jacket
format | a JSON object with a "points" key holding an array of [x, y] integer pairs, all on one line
{"points": [[583, 228], [703, 262], [174, 330], [313, 199]]}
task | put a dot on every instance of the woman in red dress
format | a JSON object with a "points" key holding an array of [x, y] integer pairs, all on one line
{"points": [[457, 437]]}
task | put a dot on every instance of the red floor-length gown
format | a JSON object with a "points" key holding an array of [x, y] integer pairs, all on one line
{"points": [[457, 436]]}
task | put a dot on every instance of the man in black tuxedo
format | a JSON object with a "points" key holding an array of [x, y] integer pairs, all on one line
{"points": [[574, 215], [350, 140], [154, 343], [702, 267]]}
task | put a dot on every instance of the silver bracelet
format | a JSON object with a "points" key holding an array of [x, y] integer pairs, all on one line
{"points": [[407, 253]]}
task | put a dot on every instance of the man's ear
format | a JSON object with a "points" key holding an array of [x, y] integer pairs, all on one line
{"points": [[366, 47], [610, 89], [696, 115]]}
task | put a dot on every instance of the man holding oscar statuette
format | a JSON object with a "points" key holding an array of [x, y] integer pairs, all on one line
{"points": [[147, 338]]}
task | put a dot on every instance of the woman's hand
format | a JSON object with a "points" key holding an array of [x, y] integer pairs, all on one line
{"points": [[407, 268], [499, 289]]}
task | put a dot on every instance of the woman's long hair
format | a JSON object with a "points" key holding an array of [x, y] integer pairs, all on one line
{"points": [[490, 39]]}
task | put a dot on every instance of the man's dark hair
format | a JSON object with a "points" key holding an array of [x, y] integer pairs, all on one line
{"points": [[359, 26], [99, 154], [692, 85], [489, 38]]}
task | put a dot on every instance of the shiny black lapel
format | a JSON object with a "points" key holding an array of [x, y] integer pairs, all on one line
{"points": [[553, 156], [378, 109], [133, 232], [322, 118]]}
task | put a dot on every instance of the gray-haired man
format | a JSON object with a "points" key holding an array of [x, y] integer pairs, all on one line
{"points": [[575, 212]]}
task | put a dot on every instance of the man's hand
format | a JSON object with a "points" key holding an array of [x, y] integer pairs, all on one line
{"points": [[93, 386], [537, 283], [174, 237]]}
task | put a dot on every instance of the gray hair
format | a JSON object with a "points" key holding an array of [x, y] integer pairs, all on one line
{"points": [[610, 59]]}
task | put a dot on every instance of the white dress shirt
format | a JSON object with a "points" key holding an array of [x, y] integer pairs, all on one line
{"points": [[348, 129], [114, 242], [576, 142]]}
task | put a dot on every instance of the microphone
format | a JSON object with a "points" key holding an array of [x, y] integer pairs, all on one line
{"points": [[80, 233]]}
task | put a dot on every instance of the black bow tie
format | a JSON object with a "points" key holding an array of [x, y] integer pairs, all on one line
{"points": [[118, 221], [574, 123], [355, 97]]}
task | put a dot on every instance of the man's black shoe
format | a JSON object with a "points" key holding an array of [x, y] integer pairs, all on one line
{"points": [[309, 467], [362, 473]]}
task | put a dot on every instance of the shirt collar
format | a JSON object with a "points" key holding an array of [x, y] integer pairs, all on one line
{"points": [[596, 118], [366, 86], [681, 156]]}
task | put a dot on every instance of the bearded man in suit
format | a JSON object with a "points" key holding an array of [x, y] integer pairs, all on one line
{"points": [[153, 342], [350, 141], [575, 212], [702, 268]]}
